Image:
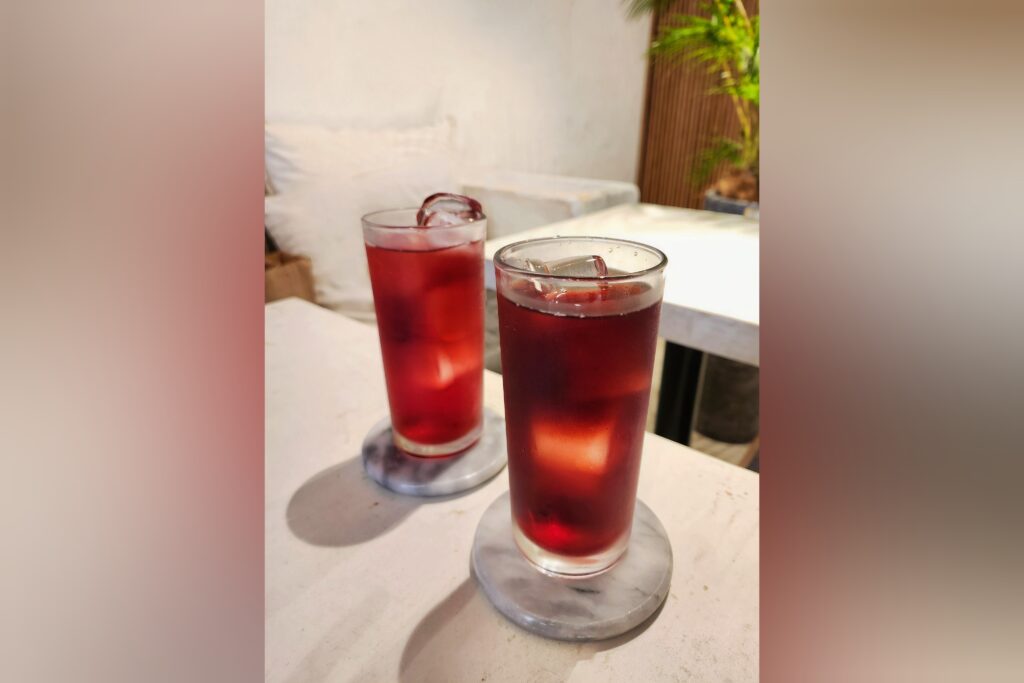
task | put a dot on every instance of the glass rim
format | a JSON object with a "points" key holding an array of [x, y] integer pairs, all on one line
{"points": [[368, 221], [500, 262]]}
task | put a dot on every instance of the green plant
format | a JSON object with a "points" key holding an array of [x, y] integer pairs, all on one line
{"points": [[727, 41]]}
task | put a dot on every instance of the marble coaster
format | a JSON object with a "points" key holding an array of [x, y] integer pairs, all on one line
{"points": [[403, 473], [586, 608]]}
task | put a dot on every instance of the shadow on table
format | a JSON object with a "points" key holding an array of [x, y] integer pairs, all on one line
{"points": [[342, 506], [465, 638]]}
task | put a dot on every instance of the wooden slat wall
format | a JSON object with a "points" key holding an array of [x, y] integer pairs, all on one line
{"points": [[681, 119]]}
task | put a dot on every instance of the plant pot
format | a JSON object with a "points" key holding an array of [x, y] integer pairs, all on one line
{"points": [[728, 409], [728, 401], [716, 202]]}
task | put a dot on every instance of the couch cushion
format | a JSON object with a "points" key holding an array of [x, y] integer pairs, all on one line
{"points": [[323, 180]]}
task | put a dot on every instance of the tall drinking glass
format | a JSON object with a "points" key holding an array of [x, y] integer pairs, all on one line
{"points": [[428, 291], [578, 319]]}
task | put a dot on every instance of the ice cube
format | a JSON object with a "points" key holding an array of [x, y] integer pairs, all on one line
{"points": [[428, 366], [569, 447], [436, 367], [432, 218], [444, 311], [621, 374], [629, 386], [574, 266], [445, 208]]}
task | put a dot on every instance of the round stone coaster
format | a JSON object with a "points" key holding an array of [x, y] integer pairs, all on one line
{"points": [[440, 476], [584, 608]]}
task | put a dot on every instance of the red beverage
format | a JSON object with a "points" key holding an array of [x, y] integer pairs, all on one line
{"points": [[576, 360], [430, 311]]}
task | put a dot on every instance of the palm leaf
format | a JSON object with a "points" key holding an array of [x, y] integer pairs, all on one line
{"points": [[722, 150], [727, 43], [638, 7]]}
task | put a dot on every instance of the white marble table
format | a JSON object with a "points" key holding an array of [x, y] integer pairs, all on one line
{"points": [[365, 585], [712, 287]]}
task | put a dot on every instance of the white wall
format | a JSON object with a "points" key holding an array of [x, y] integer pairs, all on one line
{"points": [[550, 86]]}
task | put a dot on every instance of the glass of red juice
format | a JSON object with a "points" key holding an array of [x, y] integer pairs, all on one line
{"points": [[578, 319], [428, 293]]}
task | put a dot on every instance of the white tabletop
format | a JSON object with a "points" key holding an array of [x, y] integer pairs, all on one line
{"points": [[712, 285], [366, 585]]}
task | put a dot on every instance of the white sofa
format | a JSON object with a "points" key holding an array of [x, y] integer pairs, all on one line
{"points": [[517, 201]]}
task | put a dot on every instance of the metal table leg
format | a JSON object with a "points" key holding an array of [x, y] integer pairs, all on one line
{"points": [[678, 396]]}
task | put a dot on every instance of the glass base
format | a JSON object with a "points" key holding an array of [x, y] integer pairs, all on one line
{"points": [[411, 475], [573, 608], [569, 565], [437, 450]]}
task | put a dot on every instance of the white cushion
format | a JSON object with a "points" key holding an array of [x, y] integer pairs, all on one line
{"points": [[323, 180], [517, 201]]}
